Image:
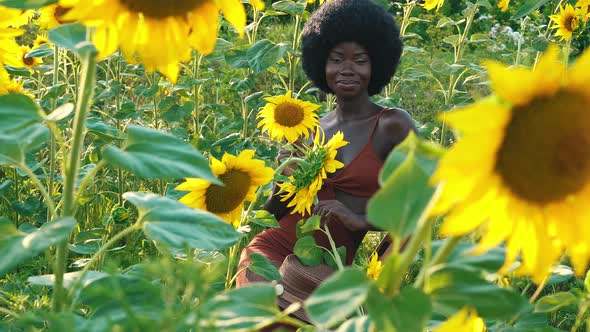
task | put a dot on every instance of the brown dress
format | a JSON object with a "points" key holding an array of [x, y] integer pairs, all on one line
{"points": [[358, 178]]}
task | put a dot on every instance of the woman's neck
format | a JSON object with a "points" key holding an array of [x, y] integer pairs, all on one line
{"points": [[354, 109]]}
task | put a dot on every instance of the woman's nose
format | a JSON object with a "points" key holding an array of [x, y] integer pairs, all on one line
{"points": [[346, 68]]}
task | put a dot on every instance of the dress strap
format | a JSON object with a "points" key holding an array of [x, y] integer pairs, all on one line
{"points": [[376, 123]]}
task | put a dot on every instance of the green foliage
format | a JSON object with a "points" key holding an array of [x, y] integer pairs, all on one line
{"points": [[16, 248]]}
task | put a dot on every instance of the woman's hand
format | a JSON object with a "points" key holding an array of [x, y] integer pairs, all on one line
{"points": [[332, 210]]}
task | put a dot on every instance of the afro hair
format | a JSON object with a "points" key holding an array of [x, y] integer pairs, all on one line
{"points": [[360, 21]]}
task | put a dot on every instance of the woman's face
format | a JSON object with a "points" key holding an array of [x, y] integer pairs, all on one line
{"points": [[348, 69]]}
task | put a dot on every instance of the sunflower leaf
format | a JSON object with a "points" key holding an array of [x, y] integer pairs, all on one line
{"points": [[338, 297], [528, 7], [150, 153], [177, 225], [17, 248], [307, 251], [263, 267], [405, 192]]}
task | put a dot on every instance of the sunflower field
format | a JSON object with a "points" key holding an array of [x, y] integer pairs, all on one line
{"points": [[139, 141]]}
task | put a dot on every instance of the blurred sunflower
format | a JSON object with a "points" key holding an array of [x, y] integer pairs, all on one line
{"points": [[307, 179], [15, 17], [432, 4], [9, 49], [374, 267], [286, 117], [584, 6], [41, 39], [567, 21], [141, 28], [527, 152], [241, 176], [465, 320], [53, 16], [503, 5], [14, 86], [27, 61]]}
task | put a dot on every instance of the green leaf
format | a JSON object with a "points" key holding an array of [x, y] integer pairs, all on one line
{"points": [[14, 146], [265, 219], [154, 154], [5, 185], [72, 37], [452, 287], [289, 7], [329, 259], [358, 324], [405, 193], [560, 274], [27, 4], [176, 225], [528, 8], [16, 249], [338, 297], [240, 309], [47, 280], [479, 38], [263, 267], [446, 22], [409, 311], [118, 297], [553, 302], [587, 281], [311, 224], [453, 40], [462, 257], [60, 113], [18, 111], [264, 54], [307, 251], [103, 130], [7, 228]]}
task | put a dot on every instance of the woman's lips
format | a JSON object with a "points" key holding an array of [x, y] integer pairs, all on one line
{"points": [[347, 84]]}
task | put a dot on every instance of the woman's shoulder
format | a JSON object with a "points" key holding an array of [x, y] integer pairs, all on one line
{"points": [[396, 120]]}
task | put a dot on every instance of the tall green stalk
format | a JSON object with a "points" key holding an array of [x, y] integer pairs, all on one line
{"points": [[72, 165], [52, 141]]}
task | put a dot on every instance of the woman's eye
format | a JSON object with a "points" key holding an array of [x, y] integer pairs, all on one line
{"points": [[335, 60]]}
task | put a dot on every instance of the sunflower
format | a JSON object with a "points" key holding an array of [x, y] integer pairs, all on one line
{"points": [[431, 4], [584, 6], [140, 28], [567, 21], [8, 51], [374, 267], [503, 5], [15, 17], [26, 60], [527, 152], [307, 179], [41, 39], [289, 118], [465, 320], [53, 16], [241, 176], [14, 86]]}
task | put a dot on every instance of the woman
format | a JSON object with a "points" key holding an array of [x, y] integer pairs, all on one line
{"points": [[350, 48]]}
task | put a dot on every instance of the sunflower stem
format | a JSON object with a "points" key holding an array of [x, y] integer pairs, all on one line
{"points": [[392, 285], [87, 76], [52, 141], [441, 256]]}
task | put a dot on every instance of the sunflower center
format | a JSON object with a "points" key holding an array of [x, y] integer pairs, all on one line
{"points": [[28, 61], [545, 155], [289, 114], [60, 12], [225, 199], [571, 23], [161, 9]]}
